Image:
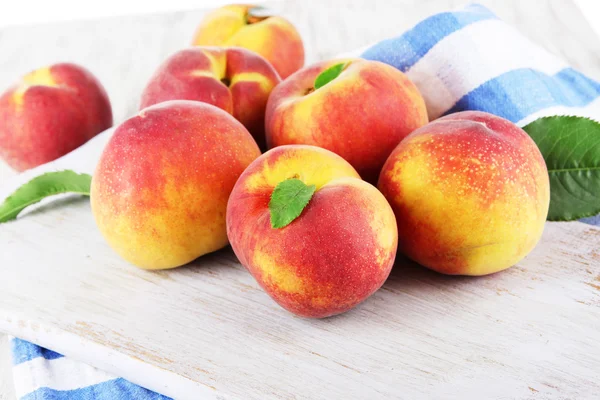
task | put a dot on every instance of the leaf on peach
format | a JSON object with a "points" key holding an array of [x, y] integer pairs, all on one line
{"points": [[329, 74], [288, 200]]}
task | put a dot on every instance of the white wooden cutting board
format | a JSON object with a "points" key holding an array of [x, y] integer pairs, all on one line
{"points": [[208, 331]]}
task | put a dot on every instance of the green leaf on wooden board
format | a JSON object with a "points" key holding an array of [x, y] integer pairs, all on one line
{"points": [[42, 186], [571, 147], [329, 74], [288, 200]]}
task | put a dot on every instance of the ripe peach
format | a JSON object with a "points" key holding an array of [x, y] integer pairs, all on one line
{"points": [[49, 113], [361, 115], [160, 190], [234, 79], [470, 192], [272, 37], [335, 254]]}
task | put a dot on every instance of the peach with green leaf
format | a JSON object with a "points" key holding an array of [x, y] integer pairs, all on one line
{"points": [[245, 25], [356, 108], [315, 236]]}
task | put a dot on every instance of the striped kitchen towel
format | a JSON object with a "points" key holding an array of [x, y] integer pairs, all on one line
{"points": [[462, 60], [469, 59], [41, 374]]}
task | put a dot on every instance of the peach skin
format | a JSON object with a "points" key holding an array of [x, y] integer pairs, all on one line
{"points": [[362, 114], [159, 192], [50, 112], [272, 37], [335, 254], [233, 79], [470, 192]]}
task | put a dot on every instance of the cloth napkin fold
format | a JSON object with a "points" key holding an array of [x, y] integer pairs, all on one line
{"points": [[471, 60], [462, 60], [41, 374]]}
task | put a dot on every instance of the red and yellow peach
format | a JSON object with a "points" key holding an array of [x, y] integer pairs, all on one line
{"points": [[49, 113], [361, 115], [470, 192], [272, 37], [233, 79], [339, 250], [159, 193]]}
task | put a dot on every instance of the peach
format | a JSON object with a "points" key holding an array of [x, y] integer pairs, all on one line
{"points": [[470, 192], [234, 79], [50, 112], [335, 254], [272, 37], [361, 115], [159, 192]]}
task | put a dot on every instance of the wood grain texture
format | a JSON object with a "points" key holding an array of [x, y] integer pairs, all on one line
{"points": [[208, 331]]}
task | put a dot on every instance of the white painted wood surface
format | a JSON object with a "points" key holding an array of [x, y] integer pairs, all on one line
{"points": [[208, 330], [530, 332]]}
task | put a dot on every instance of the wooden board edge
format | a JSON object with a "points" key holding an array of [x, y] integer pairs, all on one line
{"points": [[109, 360]]}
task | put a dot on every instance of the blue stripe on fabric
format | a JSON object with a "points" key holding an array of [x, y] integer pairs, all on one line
{"points": [[591, 220], [404, 51], [23, 351], [519, 93], [116, 389]]}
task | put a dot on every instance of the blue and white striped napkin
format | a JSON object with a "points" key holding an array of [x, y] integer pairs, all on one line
{"points": [[462, 60], [469, 59], [41, 374]]}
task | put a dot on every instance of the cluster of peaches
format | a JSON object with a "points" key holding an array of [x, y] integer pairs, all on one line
{"points": [[464, 194]]}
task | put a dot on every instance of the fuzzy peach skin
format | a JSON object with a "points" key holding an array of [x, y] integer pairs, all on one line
{"points": [[272, 37], [160, 190], [361, 115], [337, 253], [50, 112], [470, 192], [236, 80]]}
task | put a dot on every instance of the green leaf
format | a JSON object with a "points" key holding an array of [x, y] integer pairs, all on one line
{"points": [[571, 147], [288, 200], [41, 187], [329, 74]]}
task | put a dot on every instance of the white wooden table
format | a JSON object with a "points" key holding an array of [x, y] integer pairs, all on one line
{"points": [[123, 53]]}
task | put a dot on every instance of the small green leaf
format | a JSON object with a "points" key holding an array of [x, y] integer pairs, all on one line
{"points": [[288, 200], [329, 74], [41, 187], [571, 147]]}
